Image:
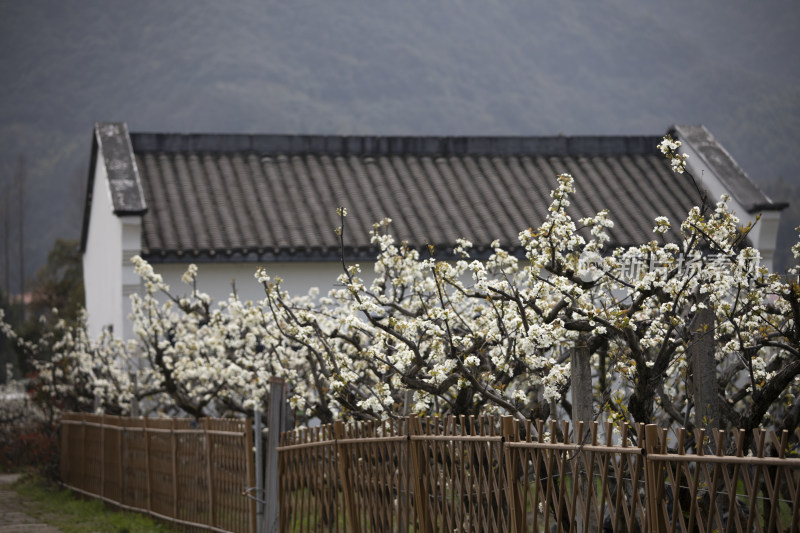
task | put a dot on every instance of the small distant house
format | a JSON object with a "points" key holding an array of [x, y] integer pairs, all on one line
{"points": [[231, 203]]}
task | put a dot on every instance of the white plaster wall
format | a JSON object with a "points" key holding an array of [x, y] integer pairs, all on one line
{"points": [[131, 228], [102, 275], [765, 236], [216, 278]]}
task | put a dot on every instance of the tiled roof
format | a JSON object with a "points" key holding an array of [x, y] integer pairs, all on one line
{"points": [[275, 197], [230, 197]]}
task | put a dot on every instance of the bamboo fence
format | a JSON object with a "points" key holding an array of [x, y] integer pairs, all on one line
{"points": [[490, 474], [191, 473]]}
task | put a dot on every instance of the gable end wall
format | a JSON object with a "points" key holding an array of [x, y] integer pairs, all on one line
{"points": [[102, 277]]}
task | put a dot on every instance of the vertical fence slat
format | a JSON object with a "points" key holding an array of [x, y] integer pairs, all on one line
{"points": [[122, 472], [419, 473], [66, 475], [516, 506], [251, 469], [654, 480], [174, 442], [148, 470], [102, 455], [258, 489], [82, 483], [209, 479], [345, 474]]}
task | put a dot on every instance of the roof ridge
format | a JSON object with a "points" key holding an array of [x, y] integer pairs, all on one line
{"points": [[379, 145]]}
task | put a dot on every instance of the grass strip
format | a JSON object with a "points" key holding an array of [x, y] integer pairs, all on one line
{"points": [[46, 502]]}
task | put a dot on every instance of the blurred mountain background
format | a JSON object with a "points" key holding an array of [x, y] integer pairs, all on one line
{"points": [[433, 67]]}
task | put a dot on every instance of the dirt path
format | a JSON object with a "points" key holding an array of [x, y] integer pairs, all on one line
{"points": [[13, 518]]}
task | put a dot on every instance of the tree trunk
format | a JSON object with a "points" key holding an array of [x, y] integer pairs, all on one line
{"points": [[703, 371], [581, 380]]}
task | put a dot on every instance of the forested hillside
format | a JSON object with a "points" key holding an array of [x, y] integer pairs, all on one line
{"points": [[414, 67]]}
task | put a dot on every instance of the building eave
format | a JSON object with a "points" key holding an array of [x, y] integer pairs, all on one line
{"points": [[111, 141], [734, 179]]}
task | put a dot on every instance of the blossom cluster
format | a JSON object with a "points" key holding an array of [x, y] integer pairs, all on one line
{"points": [[669, 147]]}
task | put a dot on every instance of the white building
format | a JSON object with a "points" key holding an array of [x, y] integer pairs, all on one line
{"points": [[232, 203]]}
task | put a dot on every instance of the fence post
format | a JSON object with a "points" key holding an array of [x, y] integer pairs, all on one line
{"points": [[103, 455], [510, 434], [654, 480], [147, 463], [64, 472], [251, 470], [123, 472], [259, 467], [174, 440], [419, 473], [209, 457], [83, 453], [344, 474], [275, 420]]}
